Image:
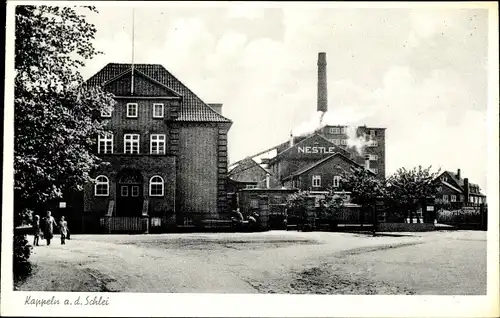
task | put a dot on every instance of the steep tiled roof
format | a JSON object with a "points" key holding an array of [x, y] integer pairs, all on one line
{"points": [[319, 162], [193, 109], [474, 188]]}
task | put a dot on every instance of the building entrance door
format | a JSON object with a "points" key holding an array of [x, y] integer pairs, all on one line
{"points": [[129, 194]]}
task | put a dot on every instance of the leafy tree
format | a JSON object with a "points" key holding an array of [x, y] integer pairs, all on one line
{"points": [[363, 185], [407, 188], [55, 114]]}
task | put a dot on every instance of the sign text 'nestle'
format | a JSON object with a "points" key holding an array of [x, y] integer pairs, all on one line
{"points": [[308, 149]]}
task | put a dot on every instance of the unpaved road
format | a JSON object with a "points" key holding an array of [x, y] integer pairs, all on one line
{"points": [[434, 263]]}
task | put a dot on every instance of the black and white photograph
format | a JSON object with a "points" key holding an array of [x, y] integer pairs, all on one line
{"points": [[284, 158]]}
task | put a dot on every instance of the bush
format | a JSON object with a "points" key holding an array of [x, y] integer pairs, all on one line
{"points": [[22, 251]]}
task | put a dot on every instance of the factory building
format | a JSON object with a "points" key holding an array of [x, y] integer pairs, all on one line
{"points": [[316, 161], [164, 154]]}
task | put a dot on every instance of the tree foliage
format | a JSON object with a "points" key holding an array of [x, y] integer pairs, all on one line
{"points": [[55, 114], [363, 186], [408, 187]]}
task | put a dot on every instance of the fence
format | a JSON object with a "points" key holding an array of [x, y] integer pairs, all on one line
{"points": [[116, 224], [466, 216]]}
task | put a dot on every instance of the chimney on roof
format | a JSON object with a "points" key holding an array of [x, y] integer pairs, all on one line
{"points": [[322, 88], [217, 107], [466, 189], [291, 140], [458, 174]]}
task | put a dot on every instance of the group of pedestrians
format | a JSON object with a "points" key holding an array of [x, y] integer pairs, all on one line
{"points": [[45, 228]]}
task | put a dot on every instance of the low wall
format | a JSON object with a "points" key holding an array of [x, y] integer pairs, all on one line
{"points": [[405, 227]]}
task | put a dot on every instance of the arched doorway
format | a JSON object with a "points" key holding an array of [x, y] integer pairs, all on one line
{"points": [[129, 192]]}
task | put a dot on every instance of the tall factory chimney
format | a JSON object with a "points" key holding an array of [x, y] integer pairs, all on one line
{"points": [[322, 90]]}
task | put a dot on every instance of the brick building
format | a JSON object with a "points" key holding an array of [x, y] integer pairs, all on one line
{"points": [[166, 151], [310, 162], [455, 189]]}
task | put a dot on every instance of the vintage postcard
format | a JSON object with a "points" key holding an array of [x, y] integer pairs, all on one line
{"points": [[250, 159]]}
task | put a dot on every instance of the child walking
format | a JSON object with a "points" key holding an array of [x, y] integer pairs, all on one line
{"points": [[63, 228], [36, 230]]}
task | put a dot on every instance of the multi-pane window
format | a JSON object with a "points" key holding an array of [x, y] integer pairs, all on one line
{"points": [[373, 157], [131, 143], [453, 198], [132, 110], [124, 191], [156, 186], [373, 133], [316, 181], [343, 141], [343, 130], [157, 144], [336, 181], [445, 197], [158, 111], [336, 142], [135, 191], [461, 198], [374, 170], [105, 142], [373, 143], [101, 188], [335, 131]]}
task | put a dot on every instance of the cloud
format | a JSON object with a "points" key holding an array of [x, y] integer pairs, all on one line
{"points": [[419, 73]]}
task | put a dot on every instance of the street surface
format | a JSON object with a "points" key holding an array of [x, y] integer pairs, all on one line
{"points": [[432, 263]]}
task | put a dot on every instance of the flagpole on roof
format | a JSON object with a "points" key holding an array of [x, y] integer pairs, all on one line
{"points": [[133, 49]]}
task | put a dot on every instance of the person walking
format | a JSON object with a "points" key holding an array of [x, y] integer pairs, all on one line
{"points": [[36, 230], [63, 228], [50, 222]]}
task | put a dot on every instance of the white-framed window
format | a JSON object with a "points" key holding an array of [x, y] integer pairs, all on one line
{"points": [[461, 198], [453, 198], [105, 143], [124, 191], [156, 185], [471, 199], [440, 188], [158, 110], [343, 130], [374, 170], [157, 144], [373, 133], [343, 142], [105, 114], [373, 157], [132, 110], [131, 143], [336, 181], [444, 178], [316, 181], [373, 143], [101, 188], [135, 191], [336, 142], [334, 130], [445, 197]]}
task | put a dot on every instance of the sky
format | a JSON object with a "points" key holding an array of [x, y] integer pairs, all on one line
{"points": [[421, 73]]}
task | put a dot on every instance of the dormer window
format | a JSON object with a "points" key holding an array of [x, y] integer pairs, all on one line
{"points": [[158, 110], [132, 110]]}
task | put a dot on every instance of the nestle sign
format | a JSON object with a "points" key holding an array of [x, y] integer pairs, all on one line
{"points": [[315, 150]]}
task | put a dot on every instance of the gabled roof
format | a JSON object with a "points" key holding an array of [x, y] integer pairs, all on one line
{"points": [[303, 141], [459, 182], [321, 161], [452, 187], [245, 164], [192, 109]]}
